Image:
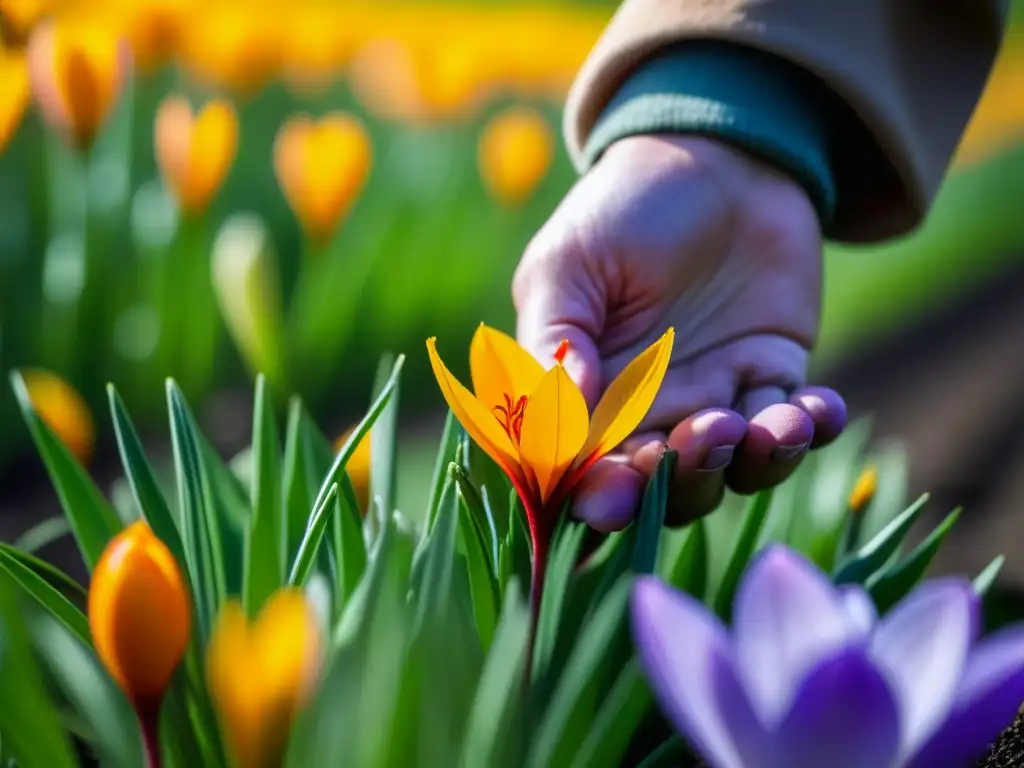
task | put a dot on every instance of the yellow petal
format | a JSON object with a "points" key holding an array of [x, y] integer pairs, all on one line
{"points": [[627, 400], [515, 153], [288, 647], [63, 410], [554, 429], [211, 153], [477, 419], [500, 367]]}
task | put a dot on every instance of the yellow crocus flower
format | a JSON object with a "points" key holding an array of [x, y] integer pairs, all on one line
{"points": [[534, 422], [864, 489], [515, 153], [321, 168], [195, 152], [14, 95], [140, 615], [260, 674], [63, 410]]}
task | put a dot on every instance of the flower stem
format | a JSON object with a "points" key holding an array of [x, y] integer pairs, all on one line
{"points": [[149, 723], [541, 539]]}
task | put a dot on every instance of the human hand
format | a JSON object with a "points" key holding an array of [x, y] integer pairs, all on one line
{"points": [[687, 232]]}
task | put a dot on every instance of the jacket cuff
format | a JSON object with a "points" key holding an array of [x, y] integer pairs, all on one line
{"points": [[742, 96]]}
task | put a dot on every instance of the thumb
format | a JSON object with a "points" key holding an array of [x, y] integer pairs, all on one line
{"points": [[557, 300]]}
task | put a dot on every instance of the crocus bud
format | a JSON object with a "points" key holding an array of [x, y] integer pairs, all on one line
{"points": [[358, 467], [246, 282], [195, 152], [140, 615], [77, 68], [261, 674], [63, 410], [515, 153], [14, 95], [864, 489], [322, 167]]}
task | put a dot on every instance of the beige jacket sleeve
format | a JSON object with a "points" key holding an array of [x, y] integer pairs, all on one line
{"points": [[900, 78]]}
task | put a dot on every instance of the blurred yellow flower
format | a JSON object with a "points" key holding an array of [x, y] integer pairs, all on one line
{"points": [[154, 28], [195, 152], [139, 614], [322, 167], [234, 45], [20, 17], [316, 43], [358, 467], [864, 489], [14, 95], [535, 423], [63, 410], [515, 153], [77, 68], [261, 674]]}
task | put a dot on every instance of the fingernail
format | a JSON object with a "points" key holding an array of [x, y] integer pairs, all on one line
{"points": [[718, 458], [788, 452]]}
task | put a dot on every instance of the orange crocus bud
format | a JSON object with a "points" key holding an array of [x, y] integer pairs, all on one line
{"points": [[358, 467], [14, 95], [140, 615], [195, 152], [864, 489], [515, 153], [322, 167], [261, 674], [77, 68], [63, 410]]}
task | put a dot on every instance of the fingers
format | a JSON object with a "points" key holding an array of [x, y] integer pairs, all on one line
{"points": [[826, 409], [609, 494], [775, 443], [706, 443]]}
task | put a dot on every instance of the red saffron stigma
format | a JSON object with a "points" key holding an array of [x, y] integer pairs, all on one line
{"points": [[562, 351], [510, 416]]}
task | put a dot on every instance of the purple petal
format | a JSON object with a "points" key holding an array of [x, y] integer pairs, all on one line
{"points": [[787, 616], [922, 647], [859, 609], [987, 701], [683, 649], [843, 716]]}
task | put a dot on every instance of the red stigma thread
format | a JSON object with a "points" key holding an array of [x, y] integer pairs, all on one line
{"points": [[562, 351], [510, 416]]}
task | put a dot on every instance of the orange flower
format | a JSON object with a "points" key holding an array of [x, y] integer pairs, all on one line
{"points": [[140, 614], [77, 68], [260, 674], [864, 489], [358, 467], [155, 28], [535, 424], [63, 410], [515, 153], [321, 167], [195, 152], [14, 95], [235, 45]]}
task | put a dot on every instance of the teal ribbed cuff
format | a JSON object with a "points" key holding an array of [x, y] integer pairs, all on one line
{"points": [[743, 96]]}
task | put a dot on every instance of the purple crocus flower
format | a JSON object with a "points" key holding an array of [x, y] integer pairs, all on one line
{"points": [[810, 677]]}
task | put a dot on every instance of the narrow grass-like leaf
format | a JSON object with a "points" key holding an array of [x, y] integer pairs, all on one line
{"points": [[349, 544], [306, 557], [298, 499], [983, 581], [142, 479], [494, 488], [475, 506], [52, 575], [666, 754], [93, 521], [364, 426], [652, 515], [43, 534], [490, 732], [743, 549], [265, 535], [384, 439], [450, 438], [690, 570], [47, 597], [435, 586], [31, 733], [617, 720], [515, 557], [483, 583], [889, 587], [571, 710], [561, 562], [90, 691], [199, 523], [870, 558]]}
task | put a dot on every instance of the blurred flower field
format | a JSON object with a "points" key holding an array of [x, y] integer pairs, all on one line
{"points": [[210, 190]]}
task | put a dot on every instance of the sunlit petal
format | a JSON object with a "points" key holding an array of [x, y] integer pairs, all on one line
{"points": [[499, 367], [627, 400], [474, 416], [554, 429]]}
